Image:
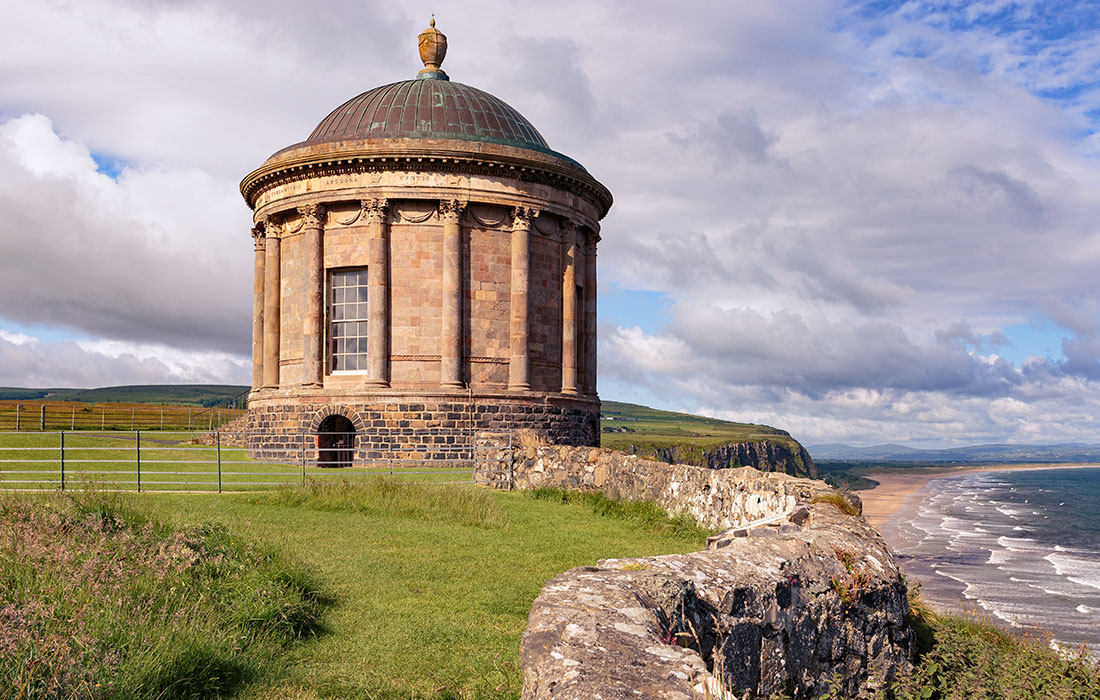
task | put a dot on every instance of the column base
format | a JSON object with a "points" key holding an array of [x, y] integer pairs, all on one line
{"points": [[519, 387], [378, 383], [570, 391], [452, 385]]}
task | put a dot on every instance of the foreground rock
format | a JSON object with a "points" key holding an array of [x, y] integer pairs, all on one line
{"points": [[799, 606]]}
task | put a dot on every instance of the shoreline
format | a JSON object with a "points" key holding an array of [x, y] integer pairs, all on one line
{"points": [[897, 486]]}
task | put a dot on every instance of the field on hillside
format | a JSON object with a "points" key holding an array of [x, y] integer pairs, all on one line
{"points": [[624, 425], [29, 415], [168, 394]]}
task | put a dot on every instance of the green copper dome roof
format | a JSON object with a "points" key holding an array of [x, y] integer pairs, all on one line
{"points": [[429, 109]]}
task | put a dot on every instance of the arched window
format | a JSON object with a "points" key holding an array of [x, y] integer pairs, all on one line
{"points": [[335, 442]]}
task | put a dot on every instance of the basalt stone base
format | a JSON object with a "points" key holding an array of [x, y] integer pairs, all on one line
{"points": [[284, 426]]}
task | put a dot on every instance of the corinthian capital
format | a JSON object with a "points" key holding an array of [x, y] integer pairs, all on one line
{"points": [[522, 216], [258, 237], [450, 210], [375, 210], [313, 215], [272, 228]]}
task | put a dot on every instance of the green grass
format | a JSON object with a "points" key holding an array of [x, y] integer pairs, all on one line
{"points": [[643, 514], [423, 608], [98, 601], [384, 496]]}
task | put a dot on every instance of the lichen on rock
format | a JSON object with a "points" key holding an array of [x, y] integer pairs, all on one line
{"points": [[797, 612]]}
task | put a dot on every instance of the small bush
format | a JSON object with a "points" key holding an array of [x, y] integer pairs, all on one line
{"points": [[98, 601], [379, 495], [837, 500], [649, 515]]}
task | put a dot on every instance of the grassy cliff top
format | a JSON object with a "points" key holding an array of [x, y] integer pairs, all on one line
{"points": [[626, 424]]}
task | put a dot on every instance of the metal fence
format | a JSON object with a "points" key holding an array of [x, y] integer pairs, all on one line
{"points": [[22, 416], [216, 461]]}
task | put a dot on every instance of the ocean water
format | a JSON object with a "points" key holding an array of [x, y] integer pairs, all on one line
{"points": [[1023, 546]]}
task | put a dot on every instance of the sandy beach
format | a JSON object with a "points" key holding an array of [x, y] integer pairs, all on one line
{"points": [[896, 486]]}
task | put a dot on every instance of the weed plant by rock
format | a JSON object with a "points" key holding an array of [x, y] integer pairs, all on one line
{"points": [[97, 601]]}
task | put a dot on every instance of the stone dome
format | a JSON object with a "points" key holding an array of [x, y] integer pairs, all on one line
{"points": [[429, 108]]}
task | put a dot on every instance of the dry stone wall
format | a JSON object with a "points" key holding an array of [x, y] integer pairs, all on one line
{"points": [[718, 498]]}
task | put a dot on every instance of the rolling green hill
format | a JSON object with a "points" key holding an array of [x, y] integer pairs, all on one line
{"points": [[168, 394], [683, 437]]}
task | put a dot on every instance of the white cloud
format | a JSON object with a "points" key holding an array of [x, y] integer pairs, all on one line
{"points": [[847, 204], [25, 361]]}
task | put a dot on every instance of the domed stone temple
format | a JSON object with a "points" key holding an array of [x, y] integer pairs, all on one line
{"points": [[425, 269]]}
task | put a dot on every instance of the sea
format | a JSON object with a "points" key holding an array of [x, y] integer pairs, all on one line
{"points": [[1021, 547]]}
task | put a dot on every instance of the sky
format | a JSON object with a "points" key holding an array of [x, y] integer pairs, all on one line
{"points": [[862, 222]]}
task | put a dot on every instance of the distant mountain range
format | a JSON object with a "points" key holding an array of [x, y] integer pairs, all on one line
{"points": [[1065, 452]]}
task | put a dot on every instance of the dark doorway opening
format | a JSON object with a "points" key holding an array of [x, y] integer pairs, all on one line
{"points": [[335, 442]]}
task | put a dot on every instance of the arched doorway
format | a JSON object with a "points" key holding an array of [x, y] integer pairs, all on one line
{"points": [[335, 442]]}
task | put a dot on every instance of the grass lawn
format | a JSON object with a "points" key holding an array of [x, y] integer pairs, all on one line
{"points": [[423, 608]]}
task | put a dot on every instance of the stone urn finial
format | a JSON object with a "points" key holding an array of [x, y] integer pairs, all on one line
{"points": [[433, 49]]}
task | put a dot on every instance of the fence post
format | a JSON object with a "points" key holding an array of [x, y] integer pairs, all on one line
{"points": [[219, 439], [42, 417], [17, 407], [188, 419], [103, 418], [138, 461], [62, 460], [72, 425], [162, 417], [511, 463], [132, 409], [303, 459]]}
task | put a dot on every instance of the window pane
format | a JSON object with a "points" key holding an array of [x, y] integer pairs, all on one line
{"points": [[361, 294]]}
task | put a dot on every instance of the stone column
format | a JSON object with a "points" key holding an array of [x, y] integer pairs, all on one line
{"points": [[569, 308], [313, 332], [378, 292], [258, 309], [590, 314], [272, 294], [450, 375], [519, 376]]}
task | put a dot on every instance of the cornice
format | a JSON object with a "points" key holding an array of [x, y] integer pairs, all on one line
{"points": [[360, 157]]}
